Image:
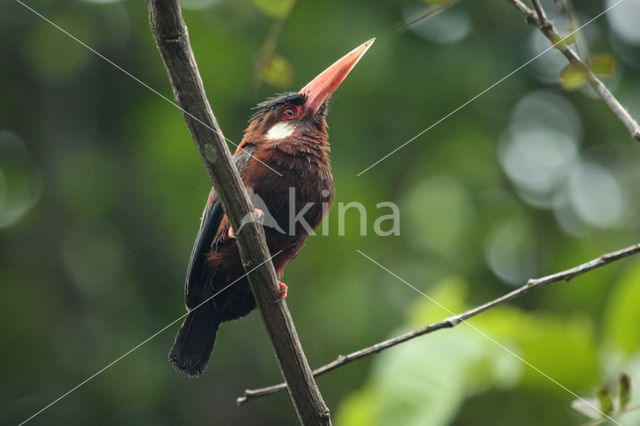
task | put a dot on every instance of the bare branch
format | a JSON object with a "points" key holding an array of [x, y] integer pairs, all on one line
{"points": [[540, 20], [522, 8], [429, 11], [542, 16], [451, 322], [171, 36]]}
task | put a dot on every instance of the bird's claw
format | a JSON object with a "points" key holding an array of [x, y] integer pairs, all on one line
{"points": [[282, 292], [258, 217]]}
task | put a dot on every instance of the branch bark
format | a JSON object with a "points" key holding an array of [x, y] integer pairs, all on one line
{"points": [[539, 19], [172, 40], [451, 322]]}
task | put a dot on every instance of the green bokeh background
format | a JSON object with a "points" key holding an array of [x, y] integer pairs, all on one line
{"points": [[101, 189]]}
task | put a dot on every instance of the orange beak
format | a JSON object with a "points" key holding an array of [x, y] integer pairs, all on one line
{"points": [[320, 89]]}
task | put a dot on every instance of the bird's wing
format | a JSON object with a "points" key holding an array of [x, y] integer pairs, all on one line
{"points": [[211, 219]]}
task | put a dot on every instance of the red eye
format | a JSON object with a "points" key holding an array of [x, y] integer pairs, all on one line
{"points": [[289, 112]]}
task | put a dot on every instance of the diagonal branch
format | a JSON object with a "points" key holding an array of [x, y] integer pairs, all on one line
{"points": [[539, 19], [451, 322], [172, 39], [542, 15]]}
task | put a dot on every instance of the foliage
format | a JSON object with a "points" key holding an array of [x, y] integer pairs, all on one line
{"points": [[427, 381], [101, 190], [605, 406]]}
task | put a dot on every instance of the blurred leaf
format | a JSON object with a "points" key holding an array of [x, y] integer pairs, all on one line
{"points": [[624, 390], [622, 316], [356, 409], [88, 181], [274, 8], [562, 347], [560, 41], [278, 72], [603, 64], [51, 54], [605, 399], [423, 382], [572, 77], [450, 292], [450, 209]]}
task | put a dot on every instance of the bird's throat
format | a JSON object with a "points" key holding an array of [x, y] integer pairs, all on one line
{"points": [[281, 130]]}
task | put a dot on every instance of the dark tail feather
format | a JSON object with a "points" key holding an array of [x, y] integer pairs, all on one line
{"points": [[194, 343]]}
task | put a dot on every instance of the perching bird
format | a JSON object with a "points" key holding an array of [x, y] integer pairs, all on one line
{"points": [[287, 135]]}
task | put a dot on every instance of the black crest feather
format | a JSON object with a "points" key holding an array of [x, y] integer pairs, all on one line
{"points": [[279, 100]]}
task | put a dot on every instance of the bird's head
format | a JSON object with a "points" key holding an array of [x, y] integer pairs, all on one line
{"points": [[302, 115]]}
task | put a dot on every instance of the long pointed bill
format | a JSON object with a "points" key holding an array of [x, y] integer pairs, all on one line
{"points": [[320, 89]]}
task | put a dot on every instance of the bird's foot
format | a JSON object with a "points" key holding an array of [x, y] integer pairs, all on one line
{"points": [[283, 292], [258, 216]]}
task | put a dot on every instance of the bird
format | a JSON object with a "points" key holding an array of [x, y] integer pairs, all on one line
{"points": [[283, 160]]}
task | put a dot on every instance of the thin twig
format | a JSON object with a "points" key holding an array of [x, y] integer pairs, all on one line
{"points": [[172, 39], [539, 19], [582, 48], [451, 322], [540, 10], [429, 11]]}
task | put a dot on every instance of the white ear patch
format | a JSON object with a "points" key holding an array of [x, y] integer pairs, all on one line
{"points": [[281, 130]]}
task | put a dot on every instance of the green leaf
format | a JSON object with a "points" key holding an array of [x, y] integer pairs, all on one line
{"points": [[274, 8], [356, 408], [624, 390], [572, 77], [605, 399], [561, 42], [603, 64], [42, 47], [448, 205], [425, 381], [622, 317], [278, 72], [569, 342]]}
